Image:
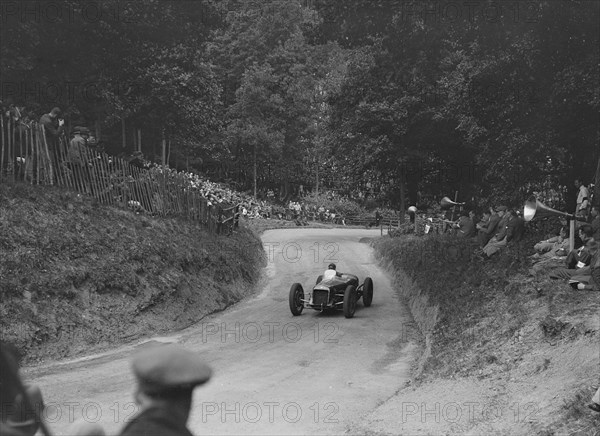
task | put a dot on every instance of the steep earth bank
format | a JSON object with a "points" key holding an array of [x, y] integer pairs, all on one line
{"points": [[505, 352], [78, 277]]}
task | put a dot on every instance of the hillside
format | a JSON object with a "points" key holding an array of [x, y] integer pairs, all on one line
{"points": [[77, 277], [504, 352]]}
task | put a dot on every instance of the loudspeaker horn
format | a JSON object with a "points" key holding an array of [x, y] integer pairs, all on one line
{"points": [[446, 202], [534, 208]]}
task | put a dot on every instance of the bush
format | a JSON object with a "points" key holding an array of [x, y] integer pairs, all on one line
{"points": [[342, 206]]}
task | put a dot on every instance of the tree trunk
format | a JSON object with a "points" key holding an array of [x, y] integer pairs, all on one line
{"points": [[402, 197], [597, 187], [123, 135], [254, 175], [317, 178], [168, 152], [164, 149]]}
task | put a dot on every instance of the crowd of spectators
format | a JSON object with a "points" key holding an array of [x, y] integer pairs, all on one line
{"points": [[580, 266]]}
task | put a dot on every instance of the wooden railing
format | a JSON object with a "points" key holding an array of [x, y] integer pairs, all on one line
{"points": [[26, 156]]}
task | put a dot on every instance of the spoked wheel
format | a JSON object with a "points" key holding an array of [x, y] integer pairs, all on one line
{"points": [[296, 297], [349, 301], [368, 292]]}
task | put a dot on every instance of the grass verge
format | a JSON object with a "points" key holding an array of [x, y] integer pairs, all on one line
{"points": [[525, 340], [76, 277]]}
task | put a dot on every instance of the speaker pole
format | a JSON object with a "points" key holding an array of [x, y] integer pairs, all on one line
{"points": [[571, 235]]}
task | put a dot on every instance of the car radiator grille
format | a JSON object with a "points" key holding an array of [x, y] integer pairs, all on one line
{"points": [[320, 297]]}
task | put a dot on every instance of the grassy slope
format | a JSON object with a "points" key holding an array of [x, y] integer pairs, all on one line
{"points": [[519, 339], [75, 276]]}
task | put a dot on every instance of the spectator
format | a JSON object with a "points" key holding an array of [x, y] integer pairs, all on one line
{"points": [[551, 244], [595, 403], [465, 225], [589, 279], [53, 127], [510, 229], [22, 406], [552, 247], [595, 214], [166, 378], [472, 217], [487, 231], [583, 195], [578, 260], [78, 159]]}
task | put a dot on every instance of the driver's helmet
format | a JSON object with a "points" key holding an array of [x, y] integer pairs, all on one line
{"points": [[331, 266]]}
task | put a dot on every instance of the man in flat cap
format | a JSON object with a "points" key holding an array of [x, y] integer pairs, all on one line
{"points": [[166, 377], [78, 156]]}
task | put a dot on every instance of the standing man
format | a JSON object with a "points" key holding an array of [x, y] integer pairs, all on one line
{"points": [[78, 159], [583, 196], [166, 377], [53, 127]]}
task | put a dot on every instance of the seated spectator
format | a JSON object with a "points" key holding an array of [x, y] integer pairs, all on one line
{"points": [[487, 231], [485, 219], [589, 278], [595, 214], [578, 260], [552, 245], [465, 225], [510, 228], [595, 403]]}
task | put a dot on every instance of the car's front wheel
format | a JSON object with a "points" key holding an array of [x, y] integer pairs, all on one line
{"points": [[296, 299], [349, 301], [368, 292]]}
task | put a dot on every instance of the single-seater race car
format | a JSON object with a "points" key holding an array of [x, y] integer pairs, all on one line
{"points": [[338, 293]]}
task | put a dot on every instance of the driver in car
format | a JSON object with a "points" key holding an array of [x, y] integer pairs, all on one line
{"points": [[331, 273]]}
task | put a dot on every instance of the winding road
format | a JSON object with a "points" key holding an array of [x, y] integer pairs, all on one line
{"points": [[273, 373]]}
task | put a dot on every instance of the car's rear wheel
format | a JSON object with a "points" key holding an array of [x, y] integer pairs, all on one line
{"points": [[319, 279], [296, 297], [368, 292], [349, 301]]}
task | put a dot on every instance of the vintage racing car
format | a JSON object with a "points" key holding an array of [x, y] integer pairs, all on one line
{"points": [[338, 293]]}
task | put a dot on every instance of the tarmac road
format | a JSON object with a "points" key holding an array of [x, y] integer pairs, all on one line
{"points": [[274, 373]]}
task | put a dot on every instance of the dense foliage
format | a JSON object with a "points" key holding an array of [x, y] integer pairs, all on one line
{"points": [[398, 100]]}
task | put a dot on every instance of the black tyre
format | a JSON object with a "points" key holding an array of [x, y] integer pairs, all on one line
{"points": [[349, 301], [367, 292], [296, 297], [319, 279]]}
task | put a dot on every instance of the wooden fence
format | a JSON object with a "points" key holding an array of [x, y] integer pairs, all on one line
{"points": [[27, 156]]}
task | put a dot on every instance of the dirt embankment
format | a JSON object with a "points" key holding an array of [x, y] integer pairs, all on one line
{"points": [[505, 352], [78, 277]]}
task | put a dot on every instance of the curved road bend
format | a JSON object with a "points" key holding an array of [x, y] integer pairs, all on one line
{"points": [[274, 373]]}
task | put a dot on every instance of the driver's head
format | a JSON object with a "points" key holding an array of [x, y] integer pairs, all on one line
{"points": [[331, 266]]}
